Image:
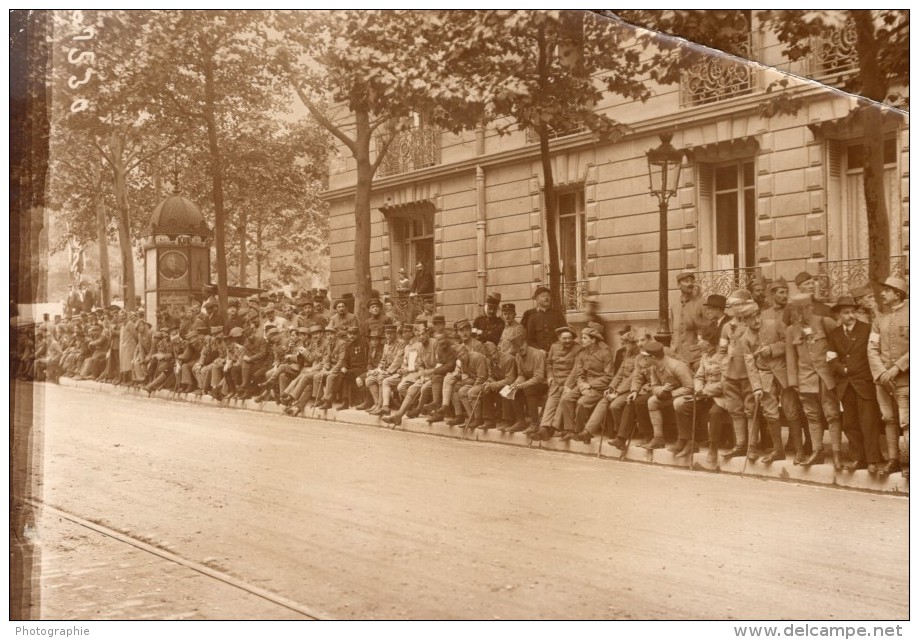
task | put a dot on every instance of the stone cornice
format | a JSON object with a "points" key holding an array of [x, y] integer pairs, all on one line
{"points": [[743, 106]]}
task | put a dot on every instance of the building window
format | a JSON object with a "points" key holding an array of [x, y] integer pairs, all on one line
{"points": [[856, 236], [718, 78], [572, 235], [412, 241], [416, 147], [734, 215]]}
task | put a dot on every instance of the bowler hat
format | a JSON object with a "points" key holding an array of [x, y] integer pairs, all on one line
{"points": [[845, 301], [716, 301], [493, 298]]}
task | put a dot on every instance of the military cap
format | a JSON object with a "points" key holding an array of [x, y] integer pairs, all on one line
{"points": [[738, 296], [374, 301], [493, 298], [375, 333], [845, 301], [509, 306], [685, 275], [594, 330], [330, 329], [439, 320], [802, 277], [778, 283], [315, 328], [898, 284], [560, 330], [860, 292], [540, 289], [301, 300], [421, 321], [652, 348], [461, 324], [715, 301], [354, 330], [389, 326]]}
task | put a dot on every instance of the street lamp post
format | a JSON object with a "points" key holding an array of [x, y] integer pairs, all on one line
{"points": [[664, 164]]}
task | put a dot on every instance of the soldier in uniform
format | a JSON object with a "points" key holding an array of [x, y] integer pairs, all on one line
{"points": [[325, 383], [735, 382], [529, 386], [585, 385], [389, 364], [763, 347], [512, 328], [806, 348], [473, 374], [489, 323], [779, 291], [416, 370], [541, 322], [342, 320], [376, 319], [352, 363], [667, 378], [888, 355], [502, 371], [692, 320], [617, 392], [861, 416], [866, 304], [710, 404]]}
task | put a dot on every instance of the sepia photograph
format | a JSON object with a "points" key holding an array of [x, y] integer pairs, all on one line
{"points": [[460, 314]]}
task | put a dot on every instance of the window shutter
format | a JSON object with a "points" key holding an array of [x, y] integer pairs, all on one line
{"points": [[834, 157]]}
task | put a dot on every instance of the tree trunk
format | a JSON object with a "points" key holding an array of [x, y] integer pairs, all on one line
{"points": [[243, 247], [119, 178], [874, 86], [365, 172], [216, 175], [104, 271], [258, 256], [555, 279]]}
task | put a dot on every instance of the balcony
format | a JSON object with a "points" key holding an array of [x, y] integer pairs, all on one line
{"points": [[718, 78], [412, 149], [837, 277], [724, 281], [574, 295], [833, 55]]}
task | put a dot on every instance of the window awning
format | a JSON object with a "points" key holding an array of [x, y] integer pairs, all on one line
{"points": [[405, 209], [731, 139], [852, 124]]}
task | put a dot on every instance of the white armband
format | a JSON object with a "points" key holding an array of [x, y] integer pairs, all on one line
{"points": [[831, 355]]}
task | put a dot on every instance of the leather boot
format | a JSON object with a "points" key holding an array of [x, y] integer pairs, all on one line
{"points": [[778, 451], [582, 436], [837, 458], [739, 450], [544, 433], [437, 416], [891, 466], [677, 446], [815, 458], [532, 430], [654, 443], [688, 449], [618, 442]]}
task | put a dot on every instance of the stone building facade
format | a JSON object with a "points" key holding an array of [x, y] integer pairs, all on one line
{"points": [[757, 196]]}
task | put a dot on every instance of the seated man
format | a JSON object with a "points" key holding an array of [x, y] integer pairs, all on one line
{"points": [[502, 371], [389, 364], [668, 378], [416, 371], [613, 401], [529, 386], [472, 374], [586, 384], [708, 401], [559, 364]]}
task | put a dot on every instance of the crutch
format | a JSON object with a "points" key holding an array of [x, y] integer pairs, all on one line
{"points": [[750, 435]]}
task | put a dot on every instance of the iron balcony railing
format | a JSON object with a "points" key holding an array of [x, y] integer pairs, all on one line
{"points": [[837, 277], [412, 149], [724, 281]]}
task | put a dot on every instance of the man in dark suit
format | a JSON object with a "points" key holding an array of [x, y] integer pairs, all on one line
{"points": [[423, 283], [713, 308], [861, 415]]}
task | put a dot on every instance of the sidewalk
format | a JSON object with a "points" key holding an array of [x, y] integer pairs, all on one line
{"points": [[822, 474]]}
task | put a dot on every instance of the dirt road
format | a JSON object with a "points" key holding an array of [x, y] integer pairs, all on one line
{"points": [[366, 523]]}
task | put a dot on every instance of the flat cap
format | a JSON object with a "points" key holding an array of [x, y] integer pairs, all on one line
{"points": [[685, 275], [541, 289], [652, 348], [802, 277]]}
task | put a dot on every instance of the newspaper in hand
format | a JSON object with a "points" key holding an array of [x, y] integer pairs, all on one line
{"points": [[508, 392]]}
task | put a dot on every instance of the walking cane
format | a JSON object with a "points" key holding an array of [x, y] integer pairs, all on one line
{"points": [[472, 413], [750, 435], [602, 429]]}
